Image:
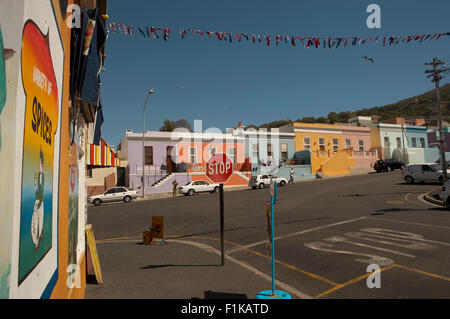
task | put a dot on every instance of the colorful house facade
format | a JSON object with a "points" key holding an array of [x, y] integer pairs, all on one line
{"points": [[177, 155], [103, 168], [408, 144], [334, 149]]}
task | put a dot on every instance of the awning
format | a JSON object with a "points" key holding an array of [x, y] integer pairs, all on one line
{"points": [[101, 155]]}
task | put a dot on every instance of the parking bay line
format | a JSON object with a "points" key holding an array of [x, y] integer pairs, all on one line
{"points": [[295, 234], [309, 274], [355, 280]]}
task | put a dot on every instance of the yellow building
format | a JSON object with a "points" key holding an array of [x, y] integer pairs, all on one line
{"points": [[329, 154]]}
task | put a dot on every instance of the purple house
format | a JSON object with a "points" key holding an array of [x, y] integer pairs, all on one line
{"points": [[159, 156]]}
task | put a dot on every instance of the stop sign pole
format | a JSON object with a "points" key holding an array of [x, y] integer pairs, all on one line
{"points": [[219, 169]]}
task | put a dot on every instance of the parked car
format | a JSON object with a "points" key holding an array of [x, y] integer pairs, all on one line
{"points": [[261, 181], [196, 187], [115, 194], [388, 165], [444, 194], [422, 173]]}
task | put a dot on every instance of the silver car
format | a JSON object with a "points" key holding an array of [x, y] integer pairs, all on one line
{"points": [[196, 187], [115, 194]]}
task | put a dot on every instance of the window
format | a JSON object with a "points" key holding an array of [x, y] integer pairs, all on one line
{"points": [[422, 142], [255, 151], [212, 151], [414, 142], [399, 142], [348, 143], [89, 172], [387, 144], [427, 168], [284, 152], [232, 154], [335, 145], [148, 155], [361, 145], [322, 144], [306, 143], [193, 155]]}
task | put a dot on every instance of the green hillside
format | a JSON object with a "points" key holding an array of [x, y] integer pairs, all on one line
{"points": [[423, 105]]}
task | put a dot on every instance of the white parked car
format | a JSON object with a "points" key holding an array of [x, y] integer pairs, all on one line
{"points": [[445, 193], [115, 194], [422, 173], [196, 187], [261, 181]]}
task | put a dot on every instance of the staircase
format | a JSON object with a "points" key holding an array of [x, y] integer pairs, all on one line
{"points": [[161, 180]]}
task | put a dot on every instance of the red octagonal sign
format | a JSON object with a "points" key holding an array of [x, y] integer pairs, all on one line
{"points": [[219, 168]]}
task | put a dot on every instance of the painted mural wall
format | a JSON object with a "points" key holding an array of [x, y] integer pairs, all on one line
{"points": [[29, 155]]}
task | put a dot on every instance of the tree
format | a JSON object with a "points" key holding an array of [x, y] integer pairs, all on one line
{"points": [[168, 126]]}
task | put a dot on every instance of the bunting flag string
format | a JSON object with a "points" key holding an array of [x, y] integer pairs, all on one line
{"points": [[304, 42]]}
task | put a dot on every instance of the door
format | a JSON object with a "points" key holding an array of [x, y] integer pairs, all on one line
{"points": [[428, 174], [171, 167], [109, 195]]}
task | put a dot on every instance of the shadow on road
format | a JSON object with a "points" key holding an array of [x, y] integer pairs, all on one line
{"points": [[396, 209]]}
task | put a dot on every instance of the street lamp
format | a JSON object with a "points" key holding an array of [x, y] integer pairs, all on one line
{"points": [[143, 138]]}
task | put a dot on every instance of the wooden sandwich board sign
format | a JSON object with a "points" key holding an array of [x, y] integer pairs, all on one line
{"points": [[90, 239], [158, 228]]}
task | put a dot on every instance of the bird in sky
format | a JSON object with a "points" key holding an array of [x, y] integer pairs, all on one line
{"points": [[368, 59]]}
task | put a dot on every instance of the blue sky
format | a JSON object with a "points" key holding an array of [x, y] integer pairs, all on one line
{"points": [[222, 83]]}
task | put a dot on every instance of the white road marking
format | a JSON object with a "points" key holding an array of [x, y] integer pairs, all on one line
{"points": [[404, 235], [390, 241], [295, 234], [291, 290], [336, 239], [373, 259], [409, 223]]}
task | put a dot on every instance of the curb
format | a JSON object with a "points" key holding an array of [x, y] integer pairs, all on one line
{"points": [[429, 198]]}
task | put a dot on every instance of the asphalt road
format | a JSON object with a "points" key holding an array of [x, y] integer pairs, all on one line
{"points": [[327, 234]]}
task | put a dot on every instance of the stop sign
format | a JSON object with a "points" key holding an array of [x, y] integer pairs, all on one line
{"points": [[219, 168]]}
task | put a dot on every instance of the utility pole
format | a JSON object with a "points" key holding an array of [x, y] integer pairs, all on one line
{"points": [[436, 77]]}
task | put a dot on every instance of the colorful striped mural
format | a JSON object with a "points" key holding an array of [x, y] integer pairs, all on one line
{"points": [[101, 155]]}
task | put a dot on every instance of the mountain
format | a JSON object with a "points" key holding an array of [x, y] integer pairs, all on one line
{"points": [[419, 106]]}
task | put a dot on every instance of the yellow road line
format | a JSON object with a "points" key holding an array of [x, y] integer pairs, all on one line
{"points": [[276, 261], [422, 272], [353, 281], [393, 202], [110, 239], [406, 197]]}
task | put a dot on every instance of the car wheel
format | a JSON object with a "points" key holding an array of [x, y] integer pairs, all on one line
{"points": [[389, 169], [253, 187], [97, 202], [191, 192], [282, 183], [409, 179], [261, 186], [216, 189], [447, 203], [127, 199]]}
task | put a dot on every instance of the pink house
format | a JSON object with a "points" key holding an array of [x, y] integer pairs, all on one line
{"points": [[358, 138]]}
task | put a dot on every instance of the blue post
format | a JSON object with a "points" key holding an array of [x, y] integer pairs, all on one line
{"points": [[273, 246], [274, 294]]}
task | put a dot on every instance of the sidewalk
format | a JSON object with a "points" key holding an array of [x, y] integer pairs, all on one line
{"points": [[182, 269]]}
